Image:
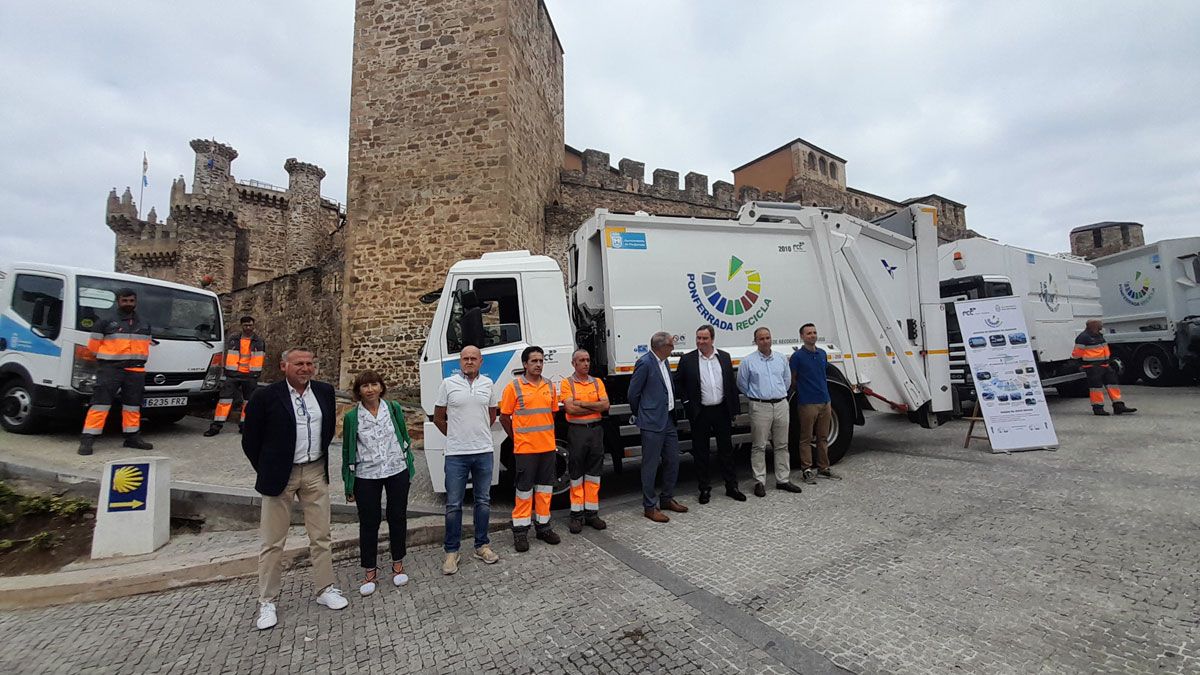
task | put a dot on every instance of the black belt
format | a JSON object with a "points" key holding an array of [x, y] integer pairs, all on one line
{"points": [[765, 400], [586, 425]]}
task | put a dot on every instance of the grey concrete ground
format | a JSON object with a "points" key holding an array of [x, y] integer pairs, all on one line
{"points": [[926, 558]]}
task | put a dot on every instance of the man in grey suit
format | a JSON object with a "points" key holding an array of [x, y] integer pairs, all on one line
{"points": [[652, 401]]}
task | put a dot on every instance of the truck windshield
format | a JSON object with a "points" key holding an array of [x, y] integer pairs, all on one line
{"points": [[171, 313]]}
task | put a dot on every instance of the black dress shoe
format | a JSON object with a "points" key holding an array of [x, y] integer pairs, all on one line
{"points": [[759, 490], [705, 496], [734, 493], [788, 487]]}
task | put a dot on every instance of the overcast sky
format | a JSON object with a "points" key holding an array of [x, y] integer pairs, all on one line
{"points": [[1038, 116]]}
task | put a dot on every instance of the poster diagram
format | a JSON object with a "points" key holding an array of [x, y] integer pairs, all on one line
{"points": [[1007, 385]]}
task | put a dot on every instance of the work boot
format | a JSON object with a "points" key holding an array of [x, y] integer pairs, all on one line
{"points": [[549, 536], [1099, 410], [595, 521], [521, 540], [213, 429], [809, 476], [86, 442], [1119, 408], [575, 524], [136, 441]]}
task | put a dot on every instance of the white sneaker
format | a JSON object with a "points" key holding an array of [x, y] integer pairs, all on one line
{"points": [[332, 598], [400, 579], [266, 616], [367, 588]]}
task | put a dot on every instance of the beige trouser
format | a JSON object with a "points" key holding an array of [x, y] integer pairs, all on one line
{"points": [[769, 421], [307, 484], [814, 417]]}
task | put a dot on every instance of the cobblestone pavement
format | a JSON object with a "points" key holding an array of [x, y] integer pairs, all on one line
{"points": [[931, 558], [926, 558], [570, 608]]}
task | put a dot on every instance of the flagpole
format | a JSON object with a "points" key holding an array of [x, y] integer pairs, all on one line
{"points": [[142, 187]]}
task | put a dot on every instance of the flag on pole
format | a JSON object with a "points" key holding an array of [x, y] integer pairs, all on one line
{"points": [[145, 168]]}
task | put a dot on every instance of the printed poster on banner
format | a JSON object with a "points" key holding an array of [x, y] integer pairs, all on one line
{"points": [[1007, 385]]}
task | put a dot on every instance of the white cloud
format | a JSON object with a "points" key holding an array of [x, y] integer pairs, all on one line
{"points": [[1038, 116]]}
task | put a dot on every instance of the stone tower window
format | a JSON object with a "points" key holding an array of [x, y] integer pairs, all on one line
{"points": [[833, 170], [1125, 235], [1097, 238], [812, 161], [824, 169]]}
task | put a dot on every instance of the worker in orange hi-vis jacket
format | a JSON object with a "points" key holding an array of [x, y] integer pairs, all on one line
{"points": [[585, 401], [244, 356], [527, 410], [1092, 350], [121, 346]]}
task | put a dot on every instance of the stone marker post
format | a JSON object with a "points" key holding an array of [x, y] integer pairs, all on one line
{"points": [[133, 515]]}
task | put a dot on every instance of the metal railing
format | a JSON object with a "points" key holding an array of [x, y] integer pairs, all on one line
{"points": [[249, 182]]}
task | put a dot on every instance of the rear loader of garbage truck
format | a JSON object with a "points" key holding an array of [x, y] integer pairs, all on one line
{"points": [[1151, 301], [871, 290], [1058, 293]]}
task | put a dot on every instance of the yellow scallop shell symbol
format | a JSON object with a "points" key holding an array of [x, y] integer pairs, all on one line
{"points": [[127, 479]]}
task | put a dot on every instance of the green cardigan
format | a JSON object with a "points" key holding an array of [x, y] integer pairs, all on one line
{"points": [[350, 442]]}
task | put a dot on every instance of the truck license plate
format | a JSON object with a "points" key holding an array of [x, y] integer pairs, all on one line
{"points": [[165, 402]]}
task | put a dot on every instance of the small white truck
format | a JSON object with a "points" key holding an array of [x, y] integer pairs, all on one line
{"points": [[1151, 300], [870, 288], [1058, 293], [46, 316]]}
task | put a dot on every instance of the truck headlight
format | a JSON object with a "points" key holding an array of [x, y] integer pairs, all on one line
{"points": [[213, 375], [83, 370]]}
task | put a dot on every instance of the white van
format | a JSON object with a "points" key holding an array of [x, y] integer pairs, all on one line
{"points": [[46, 317]]}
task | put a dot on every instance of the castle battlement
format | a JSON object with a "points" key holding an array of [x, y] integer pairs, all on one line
{"points": [[630, 177]]}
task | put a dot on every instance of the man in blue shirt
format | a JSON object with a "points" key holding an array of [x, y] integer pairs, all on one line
{"points": [[812, 404], [763, 378]]}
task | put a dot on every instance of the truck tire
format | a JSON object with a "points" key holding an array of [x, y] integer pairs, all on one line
{"points": [[1156, 366], [17, 412], [562, 476], [1122, 363]]}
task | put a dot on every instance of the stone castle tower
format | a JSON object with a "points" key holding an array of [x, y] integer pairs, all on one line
{"points": [[226, 234], [456, 140], [1101, 239]]}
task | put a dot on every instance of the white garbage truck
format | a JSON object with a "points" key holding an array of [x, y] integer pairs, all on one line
{"points": [[870, 288], [46, 370], [1058, 293], [1151, 300]]}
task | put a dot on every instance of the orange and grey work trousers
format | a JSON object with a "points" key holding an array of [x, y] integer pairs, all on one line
{"points": [[535, 489], [1101, 378], [111, 381], [234, 391], [584, 461]]}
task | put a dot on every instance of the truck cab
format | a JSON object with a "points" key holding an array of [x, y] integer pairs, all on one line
{"points": [[47, 316], [491, 302]]}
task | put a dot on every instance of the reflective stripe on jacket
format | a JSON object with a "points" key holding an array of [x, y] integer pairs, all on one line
{"points": [[532, 409], [244, 356], [123, 342], [592, 391], [1091, 349]]}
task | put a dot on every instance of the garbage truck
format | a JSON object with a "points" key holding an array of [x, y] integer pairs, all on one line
{"points": [[1151, 300], [871, 288], [47, 373], [1058, 294]]}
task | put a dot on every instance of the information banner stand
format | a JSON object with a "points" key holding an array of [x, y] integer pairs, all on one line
{"points": [[1007, 386]]}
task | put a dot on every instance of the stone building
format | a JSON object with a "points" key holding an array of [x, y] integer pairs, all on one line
{"points": [[268, 250], [456, 148], [1100, 239]]}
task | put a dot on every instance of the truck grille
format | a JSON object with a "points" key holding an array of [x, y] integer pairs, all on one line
{"points": [[171, 379]]}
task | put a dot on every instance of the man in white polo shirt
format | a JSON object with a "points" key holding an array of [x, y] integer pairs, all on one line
{"points": [[464, 412]]}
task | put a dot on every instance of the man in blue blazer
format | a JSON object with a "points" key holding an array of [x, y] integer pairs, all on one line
{"points": [[288, 428], [652, 401]]}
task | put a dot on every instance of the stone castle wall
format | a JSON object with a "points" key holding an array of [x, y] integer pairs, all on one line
{"points": [[455, 137]]}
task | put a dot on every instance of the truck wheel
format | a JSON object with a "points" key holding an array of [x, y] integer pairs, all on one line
{"points": [[17, 413], [1155, 366], [562, 477], [1122, 364], [508, 470], [841, 426]]}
